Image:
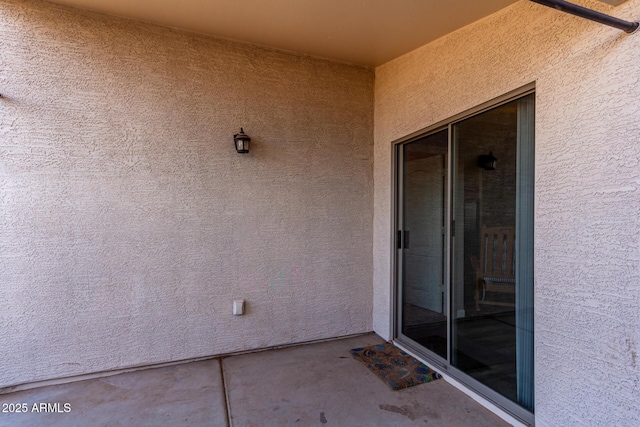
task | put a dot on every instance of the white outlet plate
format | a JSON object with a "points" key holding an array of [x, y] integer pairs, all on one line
{"points": [[238, 307]]}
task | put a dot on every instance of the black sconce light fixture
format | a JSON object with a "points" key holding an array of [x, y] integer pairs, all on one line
{"points": [[241, 142], [487, 161]]}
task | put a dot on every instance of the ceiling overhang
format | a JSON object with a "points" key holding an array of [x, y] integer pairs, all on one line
{"points": [[365, 32]]}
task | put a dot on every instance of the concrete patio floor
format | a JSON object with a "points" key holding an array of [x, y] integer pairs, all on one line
{"points": [[309, 385]]}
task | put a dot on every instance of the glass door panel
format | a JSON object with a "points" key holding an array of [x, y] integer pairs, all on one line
{"points": [[424, 175], [485, 248]]}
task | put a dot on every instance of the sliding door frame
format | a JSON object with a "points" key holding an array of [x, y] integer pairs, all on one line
{"points": [[397, 256]]}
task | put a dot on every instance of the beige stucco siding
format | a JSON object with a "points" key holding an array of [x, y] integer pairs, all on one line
{"points": [[587, 229], [129, 223]]}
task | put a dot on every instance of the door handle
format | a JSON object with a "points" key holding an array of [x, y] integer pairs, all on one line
{"points": [[399, 241]]}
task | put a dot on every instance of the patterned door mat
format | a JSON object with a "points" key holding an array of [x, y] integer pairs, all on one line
{"points": [[393, 366]]}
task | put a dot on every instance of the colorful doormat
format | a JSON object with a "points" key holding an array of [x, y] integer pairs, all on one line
{"points": [[393, 366]]}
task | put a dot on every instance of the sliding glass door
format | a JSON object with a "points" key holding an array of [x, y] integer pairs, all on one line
{"points": [[465, 249]]}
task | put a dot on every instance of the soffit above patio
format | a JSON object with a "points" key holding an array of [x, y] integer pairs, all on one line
{"points": [[365, 32]]}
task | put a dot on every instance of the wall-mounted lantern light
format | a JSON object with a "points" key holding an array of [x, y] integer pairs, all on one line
{"points": [[241, 142], [487, 161]]}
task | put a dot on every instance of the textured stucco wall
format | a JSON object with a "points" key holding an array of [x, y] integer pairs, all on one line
{"points": [[587, 219], [128, 221]]}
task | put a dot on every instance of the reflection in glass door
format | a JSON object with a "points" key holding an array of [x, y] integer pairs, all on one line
{"points": [[465, 250], [487, 193], [422, 240]]}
